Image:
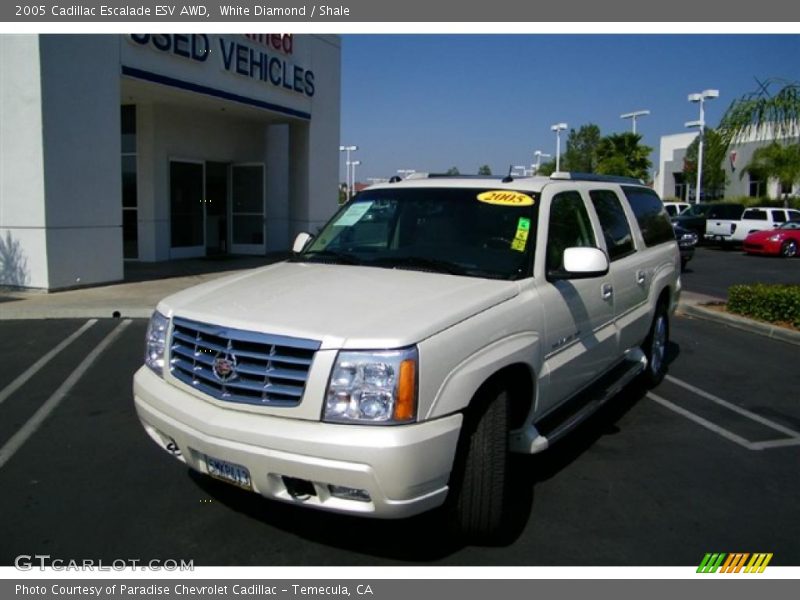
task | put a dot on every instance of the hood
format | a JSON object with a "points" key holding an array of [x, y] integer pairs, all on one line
{"points": [[761, 236], [342, 306]]}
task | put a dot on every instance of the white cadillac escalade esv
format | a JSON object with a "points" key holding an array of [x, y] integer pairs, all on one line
{"points": [[433, 327]]}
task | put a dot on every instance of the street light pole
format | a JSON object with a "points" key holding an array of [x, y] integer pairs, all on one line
{"points": [[347, 150], [558, 128], [701, 98], [353, 165], [634, 115]]}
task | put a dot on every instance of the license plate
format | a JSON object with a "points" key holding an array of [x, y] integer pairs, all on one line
{"points": [[230, 472]]}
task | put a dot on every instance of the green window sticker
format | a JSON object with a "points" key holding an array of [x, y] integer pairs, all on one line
{"points": [[521, 237]]}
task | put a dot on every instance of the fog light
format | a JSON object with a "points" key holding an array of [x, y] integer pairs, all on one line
{"points": [[348, 493]]}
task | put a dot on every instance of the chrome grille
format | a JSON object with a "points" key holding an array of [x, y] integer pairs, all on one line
{"points": [[240, 366]]}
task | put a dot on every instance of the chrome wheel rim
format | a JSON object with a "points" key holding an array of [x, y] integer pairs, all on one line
{"points": [[659, 346], [790, 249]]}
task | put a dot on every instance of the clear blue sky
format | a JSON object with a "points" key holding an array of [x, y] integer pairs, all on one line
{"points": [[430, 102]]}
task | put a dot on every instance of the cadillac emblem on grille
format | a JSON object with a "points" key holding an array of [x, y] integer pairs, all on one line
{"points": [[225, 367]]}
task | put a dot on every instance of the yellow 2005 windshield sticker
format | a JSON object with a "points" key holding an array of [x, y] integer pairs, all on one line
{"points": [[505, 198]]}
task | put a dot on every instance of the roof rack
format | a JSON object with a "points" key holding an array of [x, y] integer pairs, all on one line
{"points": [[565, 175], [446, 176]]}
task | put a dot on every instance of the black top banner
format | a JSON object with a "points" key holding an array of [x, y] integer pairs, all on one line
{"points": [[356, 11]]}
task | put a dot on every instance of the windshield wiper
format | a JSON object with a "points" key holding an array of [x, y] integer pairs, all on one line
{"points": [[420, 263], [329, 256]]}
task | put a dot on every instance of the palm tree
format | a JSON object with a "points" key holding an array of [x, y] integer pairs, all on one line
{"points": [[776, 161], [622, 154], [762, 114]]}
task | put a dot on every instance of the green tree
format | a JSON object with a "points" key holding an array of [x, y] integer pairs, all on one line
{"points": [[485, 170], [761, 114], [776, 161], [714, 152], [623, 154], [453, 171], [580, 155], [546, 168]]}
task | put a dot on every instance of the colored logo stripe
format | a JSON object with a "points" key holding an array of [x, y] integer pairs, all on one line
{"points": [[734, 562], [711, 563], [758, 563]]}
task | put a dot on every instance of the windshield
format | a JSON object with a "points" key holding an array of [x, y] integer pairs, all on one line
{"points": [[696, 210], [790, 225], [461, 231]]}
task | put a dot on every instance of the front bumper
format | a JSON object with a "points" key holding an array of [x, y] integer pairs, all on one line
{"points": [[404, 468]]}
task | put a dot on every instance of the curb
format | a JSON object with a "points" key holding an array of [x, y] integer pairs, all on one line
{"points": [[35, 314], [771, 331]]}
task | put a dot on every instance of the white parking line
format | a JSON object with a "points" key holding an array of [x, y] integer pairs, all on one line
{"points": [[704, 422], [737, 409], [29, 428], [793, 438], [35, 367]]}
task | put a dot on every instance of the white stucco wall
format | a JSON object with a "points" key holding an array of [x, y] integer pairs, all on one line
{"points": [[671, 151], [81, 139], [23, 239]]}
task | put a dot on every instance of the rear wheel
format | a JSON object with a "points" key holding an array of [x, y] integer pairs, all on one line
{"points": [[655, 347], [789, 248], [480, 481]]}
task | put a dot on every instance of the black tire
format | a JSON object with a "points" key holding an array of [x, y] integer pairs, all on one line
{"points": [[480, 482], [655, 348], [789, 249]]}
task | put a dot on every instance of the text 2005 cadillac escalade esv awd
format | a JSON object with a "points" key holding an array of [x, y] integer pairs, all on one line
{"points": [[433, 327]]}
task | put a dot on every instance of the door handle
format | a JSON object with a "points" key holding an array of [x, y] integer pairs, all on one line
{"points": [[607, 290], [641, 277]]}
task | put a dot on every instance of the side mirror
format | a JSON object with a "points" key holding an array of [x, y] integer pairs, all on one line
{"points": [[301, 241], [581, 263]]}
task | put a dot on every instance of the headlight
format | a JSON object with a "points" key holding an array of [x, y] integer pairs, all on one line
{"points": [[155, 342], [373, 387], [775, 238], [689, 238]]}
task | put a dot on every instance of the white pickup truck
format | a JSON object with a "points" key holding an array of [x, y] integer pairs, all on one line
{"points": [[433, 327], [758, 218]]}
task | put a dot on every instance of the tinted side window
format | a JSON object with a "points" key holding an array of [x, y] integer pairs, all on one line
{"points": [[616, 230], [569, 227], [755, 214], [794, 215], [778, 216], [650, 214]]}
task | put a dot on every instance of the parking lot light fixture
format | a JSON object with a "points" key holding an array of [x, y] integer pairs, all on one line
{"points": [[558, 128], [539, 155], [633, 116], [700, 98]]}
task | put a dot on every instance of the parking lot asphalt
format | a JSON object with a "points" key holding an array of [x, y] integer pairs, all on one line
{"points": [[714, 269], [705, 462]]}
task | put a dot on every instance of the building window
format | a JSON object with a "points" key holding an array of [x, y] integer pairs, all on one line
{"points": [[758, 185], [130, 212], [680, 185]]}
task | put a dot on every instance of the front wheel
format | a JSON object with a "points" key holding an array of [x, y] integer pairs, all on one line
{"points": [[655, 348], [789, 249], [480, 481]]}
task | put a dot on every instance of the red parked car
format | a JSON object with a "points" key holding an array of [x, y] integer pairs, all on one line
{"points": [[781, 241]]}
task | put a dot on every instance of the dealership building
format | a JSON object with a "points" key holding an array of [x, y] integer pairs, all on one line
{"points": [[670, 182], [160, 147]]}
